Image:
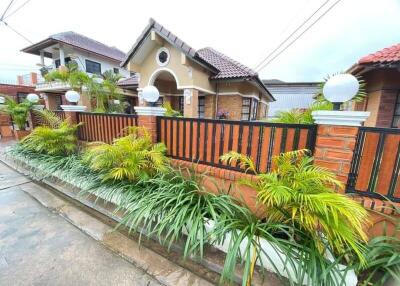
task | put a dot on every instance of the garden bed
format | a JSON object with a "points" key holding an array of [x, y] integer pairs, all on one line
{"points": [[213, 258]]}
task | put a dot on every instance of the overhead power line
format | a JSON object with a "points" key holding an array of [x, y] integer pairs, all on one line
{"points": [[17, 9], [294, 32], [302, 33], [15, 31], [5, 11]]}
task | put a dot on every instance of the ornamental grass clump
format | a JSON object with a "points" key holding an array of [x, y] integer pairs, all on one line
{"points": [[128, 158], [301, 194], [55, 137]]}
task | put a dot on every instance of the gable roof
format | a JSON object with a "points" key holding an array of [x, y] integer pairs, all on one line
{"points": [[221, 66], [78, 41], [385, 56]]}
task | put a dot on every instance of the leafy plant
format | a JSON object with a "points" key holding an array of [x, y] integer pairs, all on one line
{"points": [[302, 116], [299, 193], [57, 138], [129, 157], [17, 111], [170, 111], [382, 254]]}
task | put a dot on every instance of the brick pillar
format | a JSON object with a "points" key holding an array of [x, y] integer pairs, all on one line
{"points": [[71, 116], [5, 125], [334, 149], [150, 123]]}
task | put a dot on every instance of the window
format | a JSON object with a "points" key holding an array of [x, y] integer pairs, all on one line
{"points": [[246, 108], [21, 96], [181, 104], [162, 56], [202, 103], [116, 70], [396, 114], [93, 67], [58, 101], [58, 62], [254, 109]]}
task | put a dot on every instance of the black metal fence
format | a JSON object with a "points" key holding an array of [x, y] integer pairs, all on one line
{"points": [[205, 140], [375, 165]]}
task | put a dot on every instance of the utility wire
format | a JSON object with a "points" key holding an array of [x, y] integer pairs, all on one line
{"points": [[294, 32], [17, 9], [302, 33], [15, 31], [5, 11]]}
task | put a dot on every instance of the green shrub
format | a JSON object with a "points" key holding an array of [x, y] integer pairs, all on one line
{"points": [[57, 138], [127, 158], [17, 111], [299, 193]]}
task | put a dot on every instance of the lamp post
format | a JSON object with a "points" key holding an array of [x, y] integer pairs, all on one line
{"points": [[150, 94], [340, 88], [73, 97]]}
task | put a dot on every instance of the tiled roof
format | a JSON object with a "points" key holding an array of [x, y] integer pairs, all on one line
{"points": [[130, 81], [227, 67], [79, 41], [385, 56]]}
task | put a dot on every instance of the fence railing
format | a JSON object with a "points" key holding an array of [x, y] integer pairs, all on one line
{"points": [[103, 126], [205, 140], [375, 165]]}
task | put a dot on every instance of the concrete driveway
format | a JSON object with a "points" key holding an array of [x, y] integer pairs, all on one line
{"points": [[38, 247]]}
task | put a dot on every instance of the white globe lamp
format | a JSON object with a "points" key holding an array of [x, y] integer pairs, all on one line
{"points": [[2, 100], [340, 88], [151, 94], [32, 97], [116, 101], [72, 96]]}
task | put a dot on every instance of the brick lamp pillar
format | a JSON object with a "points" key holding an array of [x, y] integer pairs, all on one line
{"points": [[71, 110], [147, 118], [336, 138]]}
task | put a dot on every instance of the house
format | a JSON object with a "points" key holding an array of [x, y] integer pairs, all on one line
{"points": [[290, 95], [89, 55], [381, 73], [200, 83], [25, 84]]}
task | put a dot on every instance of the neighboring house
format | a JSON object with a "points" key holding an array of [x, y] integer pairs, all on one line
{"points": [[16, 91], [90, 55], [290, 95], [381, 72], [199, 83]]}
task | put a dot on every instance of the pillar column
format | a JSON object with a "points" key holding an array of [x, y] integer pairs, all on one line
{"points": [[191, 103], [336, 139], [147, 118]]}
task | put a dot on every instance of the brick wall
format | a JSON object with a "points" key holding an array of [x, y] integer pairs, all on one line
{"points": [[386, 108], [334, 149], [232, 103], [209, 108], [12, 90], [150, 123]]}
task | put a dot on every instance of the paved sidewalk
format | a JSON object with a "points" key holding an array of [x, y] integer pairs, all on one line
{"points": [[39, 247]]}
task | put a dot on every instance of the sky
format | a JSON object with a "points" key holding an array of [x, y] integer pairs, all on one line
{"points": [[247, 31]]}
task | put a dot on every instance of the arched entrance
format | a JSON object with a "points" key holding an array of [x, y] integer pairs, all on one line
{"points": [[167, 83]]}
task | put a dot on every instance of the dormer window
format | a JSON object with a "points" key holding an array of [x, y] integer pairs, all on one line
{"points": [[162, 56]]}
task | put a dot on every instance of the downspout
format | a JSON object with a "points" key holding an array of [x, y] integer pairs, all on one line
{"points": [[216, 99]]}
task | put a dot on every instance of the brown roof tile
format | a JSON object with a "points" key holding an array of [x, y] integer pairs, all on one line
{"points": [[385, 56]]}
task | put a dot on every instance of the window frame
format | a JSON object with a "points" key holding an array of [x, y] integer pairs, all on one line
{"points": [[181, 104], [92, 63], [201, 107], [245, 116], [396, 114], [116, 70]]}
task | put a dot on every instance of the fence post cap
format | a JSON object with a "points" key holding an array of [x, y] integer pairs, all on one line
{"points": [[150, 110], [335, 117], [73, 108]]}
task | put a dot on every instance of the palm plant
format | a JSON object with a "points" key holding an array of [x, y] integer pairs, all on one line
{"points": [[17, 111], [299, 193], [170, 111], [382, 254], [302, 116], [57, 137], [128, 157]]}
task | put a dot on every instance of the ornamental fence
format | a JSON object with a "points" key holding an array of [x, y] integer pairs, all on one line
{"points": [[375, 165], [205, 140], [103, 126]]}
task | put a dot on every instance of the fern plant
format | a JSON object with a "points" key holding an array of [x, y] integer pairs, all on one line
{"points": [[129, 157], [299, 193], [55, 137], [170, 111], [17, 111]]}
